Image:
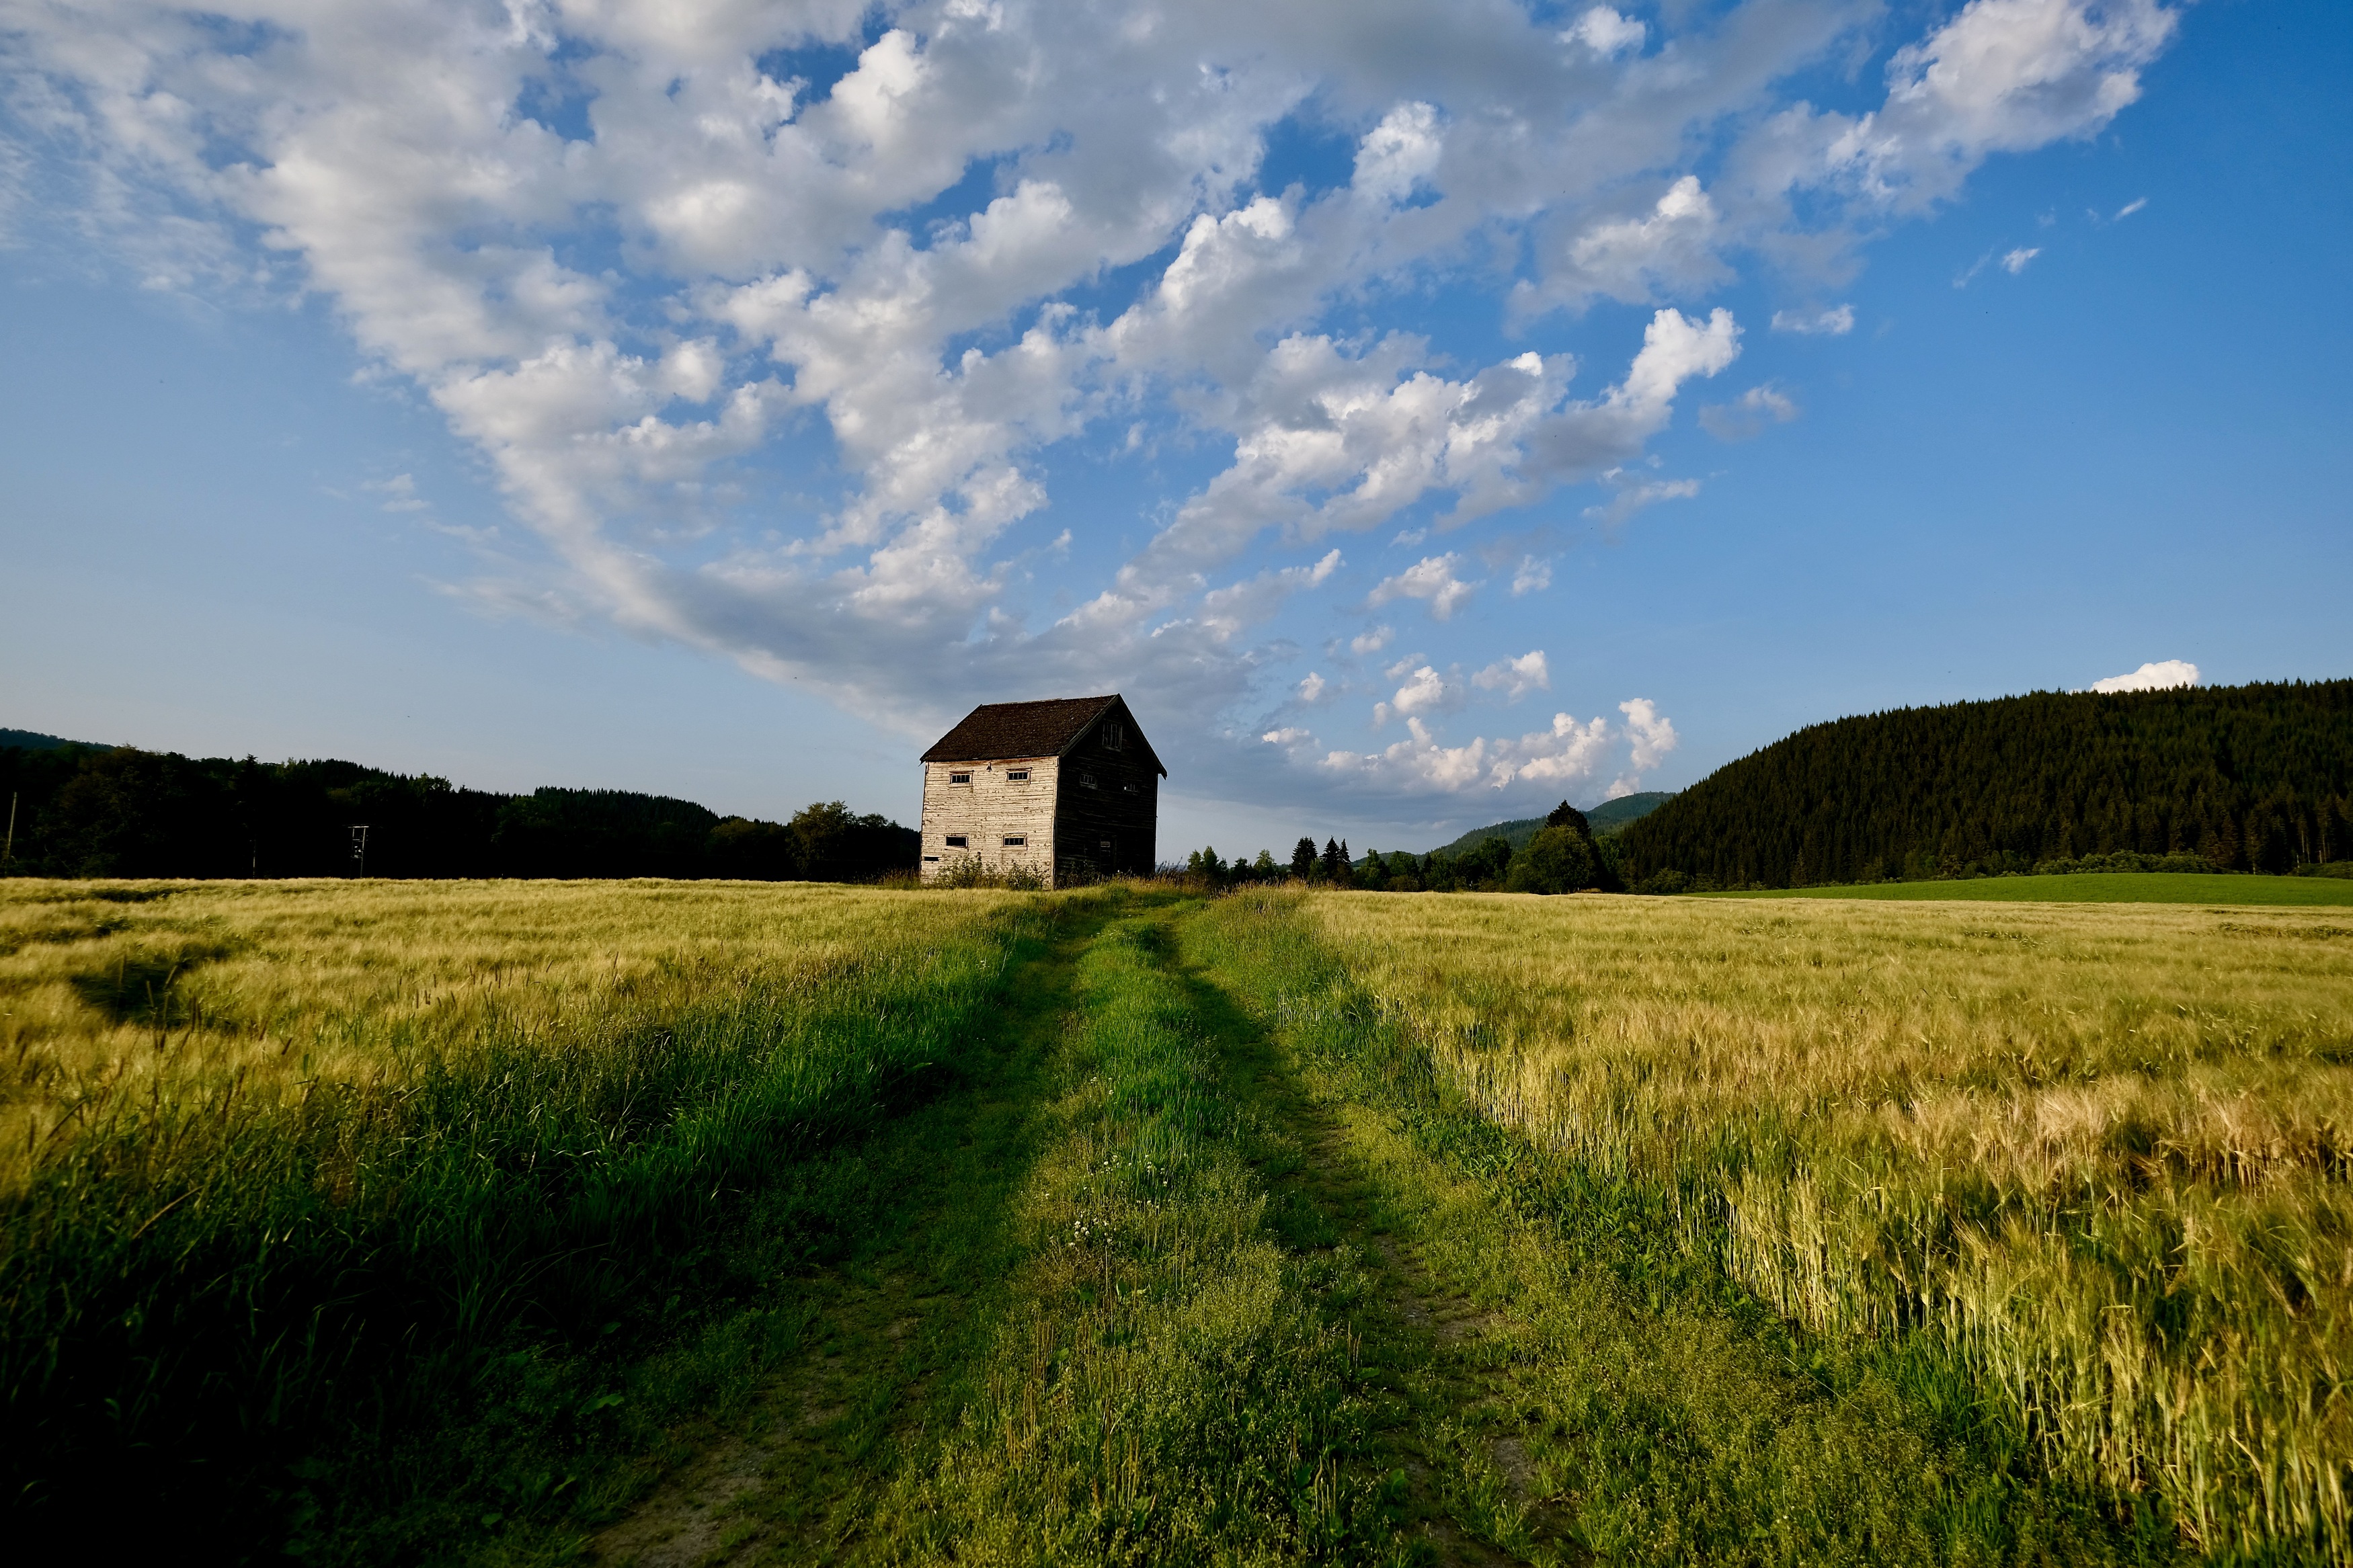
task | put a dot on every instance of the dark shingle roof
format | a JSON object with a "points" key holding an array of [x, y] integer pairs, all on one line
{"points": [[1047, 729]]}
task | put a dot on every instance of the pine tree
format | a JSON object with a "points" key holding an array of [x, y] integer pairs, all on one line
{"points": [[1302, 858]]}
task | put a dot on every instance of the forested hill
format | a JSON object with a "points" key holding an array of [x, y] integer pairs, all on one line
{"points": [[91, 811], [1611, 816], [2246, 778]]}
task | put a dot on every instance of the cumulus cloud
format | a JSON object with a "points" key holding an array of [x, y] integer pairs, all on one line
{"points": [[633, 252], [2155, 677], [1745, 417], [1532, 576], [1430, 579], [1371, 640], [1836, 322], [1515, 677], [1424, 692]]}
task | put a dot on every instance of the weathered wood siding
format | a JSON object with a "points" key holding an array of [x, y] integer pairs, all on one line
{"points": [[1108, 806], [987, 811]]}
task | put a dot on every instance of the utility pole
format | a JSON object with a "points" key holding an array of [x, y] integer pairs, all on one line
{"points": [[8, 852], [359, 847]]}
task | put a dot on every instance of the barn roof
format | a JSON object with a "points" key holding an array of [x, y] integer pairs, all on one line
{"points": [[1047, 729]]}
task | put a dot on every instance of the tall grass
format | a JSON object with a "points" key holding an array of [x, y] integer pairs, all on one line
{"points": [[2096, 1157], [294, 1155]]}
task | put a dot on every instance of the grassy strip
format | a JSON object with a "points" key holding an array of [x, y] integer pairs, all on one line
{"points": [[1165, 1382], [2094, 888], [1651, 1410], [199, 1289]]}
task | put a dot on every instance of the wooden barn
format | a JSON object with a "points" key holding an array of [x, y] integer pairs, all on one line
{"points": [[1067, 788]]}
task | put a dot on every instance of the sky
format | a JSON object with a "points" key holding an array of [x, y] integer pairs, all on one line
{"points": [[1421, 413]]}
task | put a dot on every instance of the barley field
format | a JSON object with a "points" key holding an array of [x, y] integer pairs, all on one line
{"points": [[2100, 1153], [375, 1223], [276, 1147]]}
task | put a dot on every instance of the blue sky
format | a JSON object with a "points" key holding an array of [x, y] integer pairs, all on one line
{"points": [[1401, 404]]}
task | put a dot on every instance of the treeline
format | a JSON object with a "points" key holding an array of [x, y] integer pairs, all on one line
{"points": [[87, 811], [2244, 778], [1562, 856]]}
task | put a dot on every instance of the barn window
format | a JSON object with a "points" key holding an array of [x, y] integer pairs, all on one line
{"points": [[965, 777], [1016, 776], [1106, 843], [955, 841], [1129, 786], [1114, 737], [1086, 781], [930, 858], [1015, 841]]}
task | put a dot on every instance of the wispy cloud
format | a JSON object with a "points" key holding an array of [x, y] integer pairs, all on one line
{"points": [[1747, 417], [1836, 322]]}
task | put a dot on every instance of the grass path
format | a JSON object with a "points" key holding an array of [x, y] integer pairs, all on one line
{"points": [[1209, 1271]]}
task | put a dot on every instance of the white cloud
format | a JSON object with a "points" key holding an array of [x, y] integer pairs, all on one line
{"points": [[1515, 677], [1746, 417], [1431, 579], [2156, 677], [2015, 262], [1605, 32], [1425, 692], [1653, 733], [1311, 690], [2002, 77], [1836, 322], [633, 307], [1371, 641], [2131, 207], [1534, 576]]}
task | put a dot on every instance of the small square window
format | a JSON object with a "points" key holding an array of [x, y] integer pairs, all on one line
{"points": [[960, 778], [1015, 841], [1016, 776], [1106, 844], [955, 840], [1086, 781], [1129, 787]]}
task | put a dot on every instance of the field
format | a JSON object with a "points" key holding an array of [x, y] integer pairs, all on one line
{"points": [[665, 1224], [2097, 887]]}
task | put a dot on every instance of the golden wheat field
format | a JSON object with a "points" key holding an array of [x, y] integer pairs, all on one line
{"points": [[162, 987], [2102, 1150]]}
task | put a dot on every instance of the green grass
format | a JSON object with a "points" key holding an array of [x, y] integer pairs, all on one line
{"points": [[2095, 888]]}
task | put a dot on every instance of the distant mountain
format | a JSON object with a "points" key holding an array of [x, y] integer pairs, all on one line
{"points": [[2244, 777], [1611, 816], [33, 741]]}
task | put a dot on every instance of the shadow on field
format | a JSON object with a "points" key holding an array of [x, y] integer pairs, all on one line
{"points": [[880, 1333]]}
